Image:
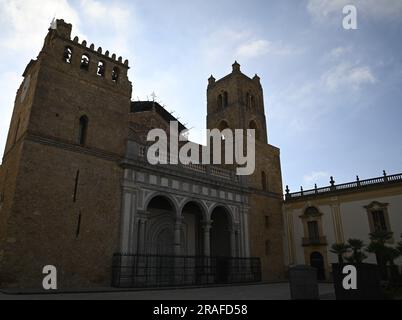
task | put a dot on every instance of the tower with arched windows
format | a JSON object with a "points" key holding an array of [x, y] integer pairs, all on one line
{"points": [[60, 171], [237, 102]]}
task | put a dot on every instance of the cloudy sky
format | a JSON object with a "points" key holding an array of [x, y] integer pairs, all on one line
{"points": [[332, 96]]}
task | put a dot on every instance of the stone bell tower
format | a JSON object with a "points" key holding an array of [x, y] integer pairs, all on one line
{"points": [[237, 102], [60, 177]]}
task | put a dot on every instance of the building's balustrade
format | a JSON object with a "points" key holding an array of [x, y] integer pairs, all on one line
{"points": [[211, 170], [358, 184]]}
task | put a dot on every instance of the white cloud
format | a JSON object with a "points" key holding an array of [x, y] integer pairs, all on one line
{"points": [[256, 48], [323, 9], [25, 22], [348, 75], [318, 177], [339, 52], [228, 45], [116, 25]]}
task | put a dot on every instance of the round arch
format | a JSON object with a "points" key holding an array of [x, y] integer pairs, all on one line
{"points": [[193, 216], [167, 197], [226, 208], [203, 208], [223, 124], [221, 232], [253, 126]]}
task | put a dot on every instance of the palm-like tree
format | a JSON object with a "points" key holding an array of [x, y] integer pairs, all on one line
{"points": [[340, 249], [385, 254], [358, 256], [379, 248], [381, 236]]}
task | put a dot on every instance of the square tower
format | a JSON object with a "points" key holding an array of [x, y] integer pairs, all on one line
{"points": [[237, 102], [60, 175]]}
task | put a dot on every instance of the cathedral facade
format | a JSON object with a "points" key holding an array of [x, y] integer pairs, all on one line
{"points": [[78, 193]]}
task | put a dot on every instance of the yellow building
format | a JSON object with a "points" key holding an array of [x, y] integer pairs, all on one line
{"points": [[316, 219]]}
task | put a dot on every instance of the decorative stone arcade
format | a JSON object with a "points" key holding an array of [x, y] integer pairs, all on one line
{"points": [[186, 220]]}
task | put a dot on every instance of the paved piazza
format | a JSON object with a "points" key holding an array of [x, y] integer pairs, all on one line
{"points": [[278, 291]]}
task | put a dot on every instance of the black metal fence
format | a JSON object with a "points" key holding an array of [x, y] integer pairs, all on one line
{"points": [[140, 271]]}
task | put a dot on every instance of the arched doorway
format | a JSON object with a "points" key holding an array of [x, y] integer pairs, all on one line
{"points": [[160, 244], [317, 262], [192, 243], [192, 239], [161, 221], [220, 243]]}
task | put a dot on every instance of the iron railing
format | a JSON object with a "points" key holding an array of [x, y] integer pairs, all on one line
{"points": [[149, 271]]}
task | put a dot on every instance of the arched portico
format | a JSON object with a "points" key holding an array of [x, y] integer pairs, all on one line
{"points": [[161, 221]]}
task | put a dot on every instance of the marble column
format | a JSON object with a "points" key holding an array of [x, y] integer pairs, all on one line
{"points": [[207, 225], [177, 236]]}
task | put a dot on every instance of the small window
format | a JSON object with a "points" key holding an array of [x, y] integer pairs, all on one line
{"points": [[225, 100], [313, 231], [115, 74], [248, 100], [68, 55], [101, 69], [85, 62], [379, 221], [83, 130], [220, 102], [264, 181], [253, 126]]}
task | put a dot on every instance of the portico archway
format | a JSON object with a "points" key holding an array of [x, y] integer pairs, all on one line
{"points": [[192, 240], [161, 230], [221, 232]]}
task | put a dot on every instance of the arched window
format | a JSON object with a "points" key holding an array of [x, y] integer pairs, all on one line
{"points": [[253, 126], [264, 181], [115, 74], [220, 102], [101, 69], [225, 100], [68, 55], [311, 212], [85, 62], [222, 126], [253, 103], [83, 130]]}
